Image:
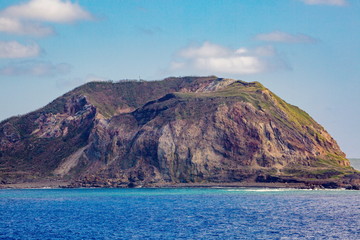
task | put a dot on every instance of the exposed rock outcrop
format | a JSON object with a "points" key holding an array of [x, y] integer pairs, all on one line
{"points": [[189, 130]]}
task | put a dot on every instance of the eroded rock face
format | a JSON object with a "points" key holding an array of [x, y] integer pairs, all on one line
{"points": [[10, 137], [50, 125], [228, 142], [186, 130], [32, 146], [10, 132]]}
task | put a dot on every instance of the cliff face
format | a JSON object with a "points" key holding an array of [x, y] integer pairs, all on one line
{"points": [[179, 130]]}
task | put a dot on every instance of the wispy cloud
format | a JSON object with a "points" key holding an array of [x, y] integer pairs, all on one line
{"points": [[326, 2], [35, 68], [210, 58], [13, 49], [278, 36], [15, 26], [149, 31], [28, 18]]}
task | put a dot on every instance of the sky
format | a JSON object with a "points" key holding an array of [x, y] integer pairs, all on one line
{"points": [[305, 51]]}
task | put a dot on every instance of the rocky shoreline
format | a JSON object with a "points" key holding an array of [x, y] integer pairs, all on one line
{"points": [[298, 185], [33, 185]]}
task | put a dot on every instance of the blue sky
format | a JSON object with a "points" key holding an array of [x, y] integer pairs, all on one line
{"points": [[306, 51]]}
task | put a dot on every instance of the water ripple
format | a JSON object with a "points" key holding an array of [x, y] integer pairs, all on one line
{"points": [[179, 214]]}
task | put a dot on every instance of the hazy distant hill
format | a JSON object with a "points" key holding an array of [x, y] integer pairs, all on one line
{"points": [[355, 163], [180, 130]]}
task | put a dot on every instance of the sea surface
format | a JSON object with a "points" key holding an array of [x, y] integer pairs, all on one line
{"points": [[188, 213]]}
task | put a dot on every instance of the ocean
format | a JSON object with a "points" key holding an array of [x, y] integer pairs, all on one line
{"points": [[188, 213]]}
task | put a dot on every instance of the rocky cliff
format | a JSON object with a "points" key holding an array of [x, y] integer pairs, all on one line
{"points": [[192, 130]]}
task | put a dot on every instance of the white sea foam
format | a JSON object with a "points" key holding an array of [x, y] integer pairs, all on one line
{"points": [[279, 189], [264, 190]]}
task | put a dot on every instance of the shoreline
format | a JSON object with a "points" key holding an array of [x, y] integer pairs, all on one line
{"points": [[36, 185], [67, 185]]}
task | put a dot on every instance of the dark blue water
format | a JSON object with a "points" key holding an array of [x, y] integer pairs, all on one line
{"points": [[179, 214]]}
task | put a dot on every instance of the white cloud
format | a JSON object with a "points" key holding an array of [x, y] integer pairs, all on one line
{"points": [[211, 58], [35, 68], [15, 49], [14, 26], [29, 18], [60, 11], [265, 51], [231, 64], [206, 50], [326, 2], [278, 36]]}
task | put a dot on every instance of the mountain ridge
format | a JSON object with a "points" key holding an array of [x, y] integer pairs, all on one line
{"points": [[179, 130]]}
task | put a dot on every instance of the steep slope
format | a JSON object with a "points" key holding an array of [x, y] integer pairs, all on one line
{"points": [[180, 130], [33, 145]]}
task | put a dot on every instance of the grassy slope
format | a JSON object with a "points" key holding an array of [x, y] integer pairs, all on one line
{"points": [[109, 97]]}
